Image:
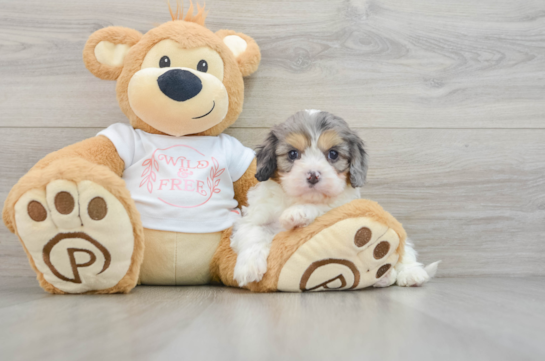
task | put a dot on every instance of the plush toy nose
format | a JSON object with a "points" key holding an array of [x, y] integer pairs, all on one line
{"points": [[179, 84]]}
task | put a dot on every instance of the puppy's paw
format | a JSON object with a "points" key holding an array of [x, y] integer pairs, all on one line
{"points": [[250, 267], [412, 277], [387, 280], [294, 217]]}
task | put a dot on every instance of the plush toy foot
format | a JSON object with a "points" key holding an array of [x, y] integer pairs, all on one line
{"points": [[79, 237], [351, 254], [351, 247]]}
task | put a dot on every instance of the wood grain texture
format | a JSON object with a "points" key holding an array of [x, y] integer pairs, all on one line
{"points": [[449, 97], [418, 64], [448, 319], [475, 200]]}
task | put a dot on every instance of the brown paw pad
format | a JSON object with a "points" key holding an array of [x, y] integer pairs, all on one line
{"points": [[381, 250], [383, 269], [363, 236], [36, 211], [97, 208], [64, 203]]}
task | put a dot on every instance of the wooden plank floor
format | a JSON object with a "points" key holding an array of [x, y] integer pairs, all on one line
{"points": [[448, 319]]}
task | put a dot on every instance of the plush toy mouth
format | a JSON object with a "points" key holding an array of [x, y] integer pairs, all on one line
{"points": [[172, 115], [202, 116]]}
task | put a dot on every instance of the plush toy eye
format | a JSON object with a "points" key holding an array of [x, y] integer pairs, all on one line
{"points": [[164, 62], [293, 155], [202, 66], [333, 154]]}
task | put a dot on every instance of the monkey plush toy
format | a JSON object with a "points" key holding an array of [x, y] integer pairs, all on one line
{"points": [[153, 202]]}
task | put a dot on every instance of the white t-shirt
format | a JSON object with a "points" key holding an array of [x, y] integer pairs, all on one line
{"points": [[181, 184]]}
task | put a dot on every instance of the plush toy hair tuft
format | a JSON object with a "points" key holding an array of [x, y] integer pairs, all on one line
{"points": [[198, 18]]}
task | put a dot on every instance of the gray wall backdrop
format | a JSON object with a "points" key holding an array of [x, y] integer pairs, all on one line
{"points": [[448, 95]]}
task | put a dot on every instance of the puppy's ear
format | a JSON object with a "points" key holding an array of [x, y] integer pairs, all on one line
{"points": [[266, 158], [105, 51], [244, 48], [358, 161]]}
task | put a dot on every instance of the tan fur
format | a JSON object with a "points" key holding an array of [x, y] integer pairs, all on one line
{"points": [[243, 185], [276, 177], [298, 140], [222, 265], [224, 255], [96, 159], [174, 258], [328, 140], [248, 62], [198, 18], [115, 35], [188, 35], [285, 244], [98, 151], [77, 170]]}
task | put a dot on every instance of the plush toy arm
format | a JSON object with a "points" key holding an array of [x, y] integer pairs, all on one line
{"points": [[98, 150], [243, 185]]}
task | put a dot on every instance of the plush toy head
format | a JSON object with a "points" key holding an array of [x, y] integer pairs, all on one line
{"points": [[179, 78]]}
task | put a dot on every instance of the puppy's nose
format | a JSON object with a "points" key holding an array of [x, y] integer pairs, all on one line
{"points": [[313, 177], [179, 84]]}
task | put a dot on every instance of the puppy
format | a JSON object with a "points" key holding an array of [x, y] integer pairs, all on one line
{"points": [[307, 166]]}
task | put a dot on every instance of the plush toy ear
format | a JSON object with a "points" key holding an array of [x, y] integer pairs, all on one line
{"points": [[105, 51], [244, 48]]}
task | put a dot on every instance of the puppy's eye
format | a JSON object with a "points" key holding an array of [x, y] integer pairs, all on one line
{"points": [[333, 154], [293, 155], [202, 66], [164, 62]]}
